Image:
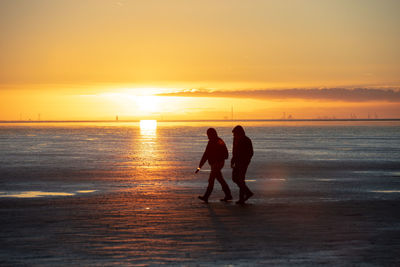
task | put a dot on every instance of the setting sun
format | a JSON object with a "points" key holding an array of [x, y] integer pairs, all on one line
{"points": [[148, 125], [148, 103]]}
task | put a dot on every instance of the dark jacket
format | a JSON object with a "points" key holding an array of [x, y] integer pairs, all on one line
{"points": [[242, 151], [216, 151]]}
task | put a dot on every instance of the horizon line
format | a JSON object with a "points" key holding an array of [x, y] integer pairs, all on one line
{"points": [[207, 120]]}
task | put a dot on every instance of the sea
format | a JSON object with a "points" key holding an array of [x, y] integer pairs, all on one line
{"points": [[354, 158]]}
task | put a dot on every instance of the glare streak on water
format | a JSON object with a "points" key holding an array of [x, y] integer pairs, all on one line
{"points": [[386, 191], [32, 194]]}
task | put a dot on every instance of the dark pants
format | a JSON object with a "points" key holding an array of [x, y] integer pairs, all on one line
{"points": [[238, 177], [216, 174]]}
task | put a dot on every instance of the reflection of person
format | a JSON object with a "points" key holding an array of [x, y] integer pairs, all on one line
{"points": [[216, 153], [241, 157]]}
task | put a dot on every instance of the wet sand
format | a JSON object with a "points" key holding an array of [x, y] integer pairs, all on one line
{"points": [[159, 224]]}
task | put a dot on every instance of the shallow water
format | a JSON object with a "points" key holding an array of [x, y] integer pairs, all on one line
{"points": [[115, 194], [362, 157]]}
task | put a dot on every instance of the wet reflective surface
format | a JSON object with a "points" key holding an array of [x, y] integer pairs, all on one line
{"points": [[114, 194]]}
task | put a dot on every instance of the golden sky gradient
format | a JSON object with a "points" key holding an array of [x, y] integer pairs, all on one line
{"points": [[101, 58]]}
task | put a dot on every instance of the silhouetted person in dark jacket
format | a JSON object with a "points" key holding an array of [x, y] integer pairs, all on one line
{"points": [[242, 154], [216, 153]]}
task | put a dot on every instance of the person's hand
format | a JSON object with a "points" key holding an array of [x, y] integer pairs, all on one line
{"points": [[232, 164], [197, 170]]}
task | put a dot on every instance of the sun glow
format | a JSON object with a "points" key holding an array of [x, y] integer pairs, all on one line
{"points": [[132, 102], [148, 103], [148, 124], [148, 127]]}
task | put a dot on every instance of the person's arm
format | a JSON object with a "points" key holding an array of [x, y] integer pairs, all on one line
{"points": [[225, 150], [233, 155], [203, 158], [249, 150]]}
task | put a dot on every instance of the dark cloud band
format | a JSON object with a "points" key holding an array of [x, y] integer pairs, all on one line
{"points": [[333, 94]]}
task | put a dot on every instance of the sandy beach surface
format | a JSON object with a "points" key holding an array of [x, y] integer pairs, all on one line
{"points": [[168, 225]]}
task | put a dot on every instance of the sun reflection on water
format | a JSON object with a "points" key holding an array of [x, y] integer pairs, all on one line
{"points": [[147, 149]]}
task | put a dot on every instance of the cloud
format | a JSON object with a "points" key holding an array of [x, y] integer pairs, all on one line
{"points": [[332, 94]]}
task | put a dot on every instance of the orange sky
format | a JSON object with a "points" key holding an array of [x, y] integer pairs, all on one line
{"points": [[95, 59]]}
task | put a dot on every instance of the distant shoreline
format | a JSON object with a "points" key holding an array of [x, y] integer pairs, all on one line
{"points": [[243, 120]]}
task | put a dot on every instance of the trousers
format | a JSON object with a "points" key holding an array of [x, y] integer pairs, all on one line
{"points": [[238, 177], [217, 174]]}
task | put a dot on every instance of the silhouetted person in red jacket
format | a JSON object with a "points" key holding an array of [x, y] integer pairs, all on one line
{"points": [[242, 154], [216, 153]]}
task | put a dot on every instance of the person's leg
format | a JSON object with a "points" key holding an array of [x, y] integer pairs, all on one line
{"points": [[237, 177], [224, 185], [248, 194], [244, 192], [247, 191], [210, 186]]}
